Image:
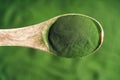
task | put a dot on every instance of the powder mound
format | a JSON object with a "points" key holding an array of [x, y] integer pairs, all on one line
{"points": [[73, 36]]}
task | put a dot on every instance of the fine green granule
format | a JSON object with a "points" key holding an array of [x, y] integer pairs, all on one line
{"points": [[73, 35]]}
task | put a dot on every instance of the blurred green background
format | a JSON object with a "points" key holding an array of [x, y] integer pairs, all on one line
{"points": [[19, 63]]}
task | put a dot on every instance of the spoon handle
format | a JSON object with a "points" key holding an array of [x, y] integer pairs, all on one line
{"points": [[30, 36]]}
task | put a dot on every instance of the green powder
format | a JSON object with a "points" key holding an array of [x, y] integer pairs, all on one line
{"points": [[73, 35]]}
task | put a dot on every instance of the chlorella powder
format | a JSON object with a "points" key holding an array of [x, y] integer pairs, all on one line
{"points": [[73, 35]]}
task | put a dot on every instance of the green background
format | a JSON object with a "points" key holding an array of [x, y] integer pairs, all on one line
{"points": [[19, 63]]}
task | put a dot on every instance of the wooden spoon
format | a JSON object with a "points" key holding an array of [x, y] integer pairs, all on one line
{"points": [[33, 36]]}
